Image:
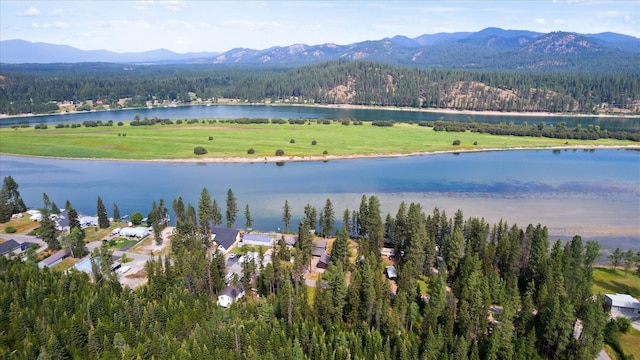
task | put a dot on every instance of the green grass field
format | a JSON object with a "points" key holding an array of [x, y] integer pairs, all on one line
{"points": [[615, 281], [233, 140]]}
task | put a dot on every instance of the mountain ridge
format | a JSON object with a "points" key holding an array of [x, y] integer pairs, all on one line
{"points": [[490, 48]]}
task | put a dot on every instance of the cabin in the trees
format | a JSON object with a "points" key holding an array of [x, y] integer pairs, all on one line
{"points": [[257, 240], [225, 238], [54, 258], [622, 305], [229, 295], [323, 263], [320, 248], [391, 272]]}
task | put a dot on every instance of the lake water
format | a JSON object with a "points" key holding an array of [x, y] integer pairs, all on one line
{"points": [[595, 193], [314, 112]]}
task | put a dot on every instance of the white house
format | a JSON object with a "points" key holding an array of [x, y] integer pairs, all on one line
{"points": [[623, 304], [229, 295], [138, 232], [258, 240]]}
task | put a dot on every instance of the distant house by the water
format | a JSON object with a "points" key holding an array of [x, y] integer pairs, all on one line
{"points": [[257, 240], [323, 263], [225, 238], [320, 248]]}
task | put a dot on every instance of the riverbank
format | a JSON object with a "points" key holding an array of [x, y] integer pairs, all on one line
{"points": [[350, 106], [325, 158]]}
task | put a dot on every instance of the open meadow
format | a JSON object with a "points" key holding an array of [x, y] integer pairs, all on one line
{"points": [[228, 141]]}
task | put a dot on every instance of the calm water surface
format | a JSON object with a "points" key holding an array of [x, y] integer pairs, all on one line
{"points": [[308, 112], [568, 190]]}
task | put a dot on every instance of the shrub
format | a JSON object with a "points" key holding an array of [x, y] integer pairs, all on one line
{"points": [[120, 123], [292, 141], [314, 142], [123, 134], [325, 152], [199, 150], [59, 126], [251, 151], [136, 218], [346, 122], [119, 134], [475, 143], [10, 230], [210, 138], [456, 142], [179, 121], [279, 152]]}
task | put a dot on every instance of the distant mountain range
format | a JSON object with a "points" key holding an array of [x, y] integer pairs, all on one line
{"points": [[491, 48]]}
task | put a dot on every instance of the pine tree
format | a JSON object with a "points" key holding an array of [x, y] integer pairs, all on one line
{"points": [[232, 209], [328, 219], [216, 213], [248, 220], [48, 230], [103, 220], [116, 213], [286, 216], [205, 211], [10, 200], [340, 253]]}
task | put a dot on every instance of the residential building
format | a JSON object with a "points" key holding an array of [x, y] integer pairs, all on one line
{"points": [[225, 238], [229, 295], [622, 305]]}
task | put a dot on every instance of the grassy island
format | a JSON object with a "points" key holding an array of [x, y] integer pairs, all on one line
{"points": [[228, 141]]}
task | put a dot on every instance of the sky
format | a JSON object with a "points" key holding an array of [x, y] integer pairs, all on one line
{"points": [[217, 26]]}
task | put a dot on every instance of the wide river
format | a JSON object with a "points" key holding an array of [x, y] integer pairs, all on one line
{"points": [[594, 193], [315, 112]]}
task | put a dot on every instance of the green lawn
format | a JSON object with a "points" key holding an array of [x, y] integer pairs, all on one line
{"points": [[233, 140], [615, 281], [631, 343], [118, 243]]}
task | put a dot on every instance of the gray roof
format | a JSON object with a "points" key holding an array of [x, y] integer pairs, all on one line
{"points": [[624, 300], [325, 258], [9, 246], [63, 219], [225, 237], [231, 291], [55, 257], [320, 244], [318, 252], [258, 238], [391, 272]]}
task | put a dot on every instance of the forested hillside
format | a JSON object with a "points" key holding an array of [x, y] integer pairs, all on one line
{"points": [[465, 289], [35, 88]]}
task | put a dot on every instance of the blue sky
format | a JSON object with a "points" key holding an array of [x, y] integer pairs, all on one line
{"points": [[192, 26]]}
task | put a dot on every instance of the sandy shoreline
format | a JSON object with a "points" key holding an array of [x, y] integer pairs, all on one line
{"points": [[367, 107], [285, 159]]}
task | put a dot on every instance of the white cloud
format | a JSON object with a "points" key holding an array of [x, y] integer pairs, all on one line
{"points": [[559, 21], [56, 12], [32, 11], [35, 25], [56, 25], [123, 24], [539, 21]]}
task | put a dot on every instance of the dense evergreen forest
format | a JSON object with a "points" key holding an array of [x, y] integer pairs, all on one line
{"points": [[465, 289], [34, 87]]}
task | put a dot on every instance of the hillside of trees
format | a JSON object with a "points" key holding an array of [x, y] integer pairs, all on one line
{"points": [[466, 289], [35, 87]]}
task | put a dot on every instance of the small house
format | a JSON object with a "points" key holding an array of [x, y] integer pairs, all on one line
{"points": [[10, 248], [323, 263], [391, 272], [320, 248], [229, 295], [54, 259], [225, 238], [623, 304], [258, 240]]}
